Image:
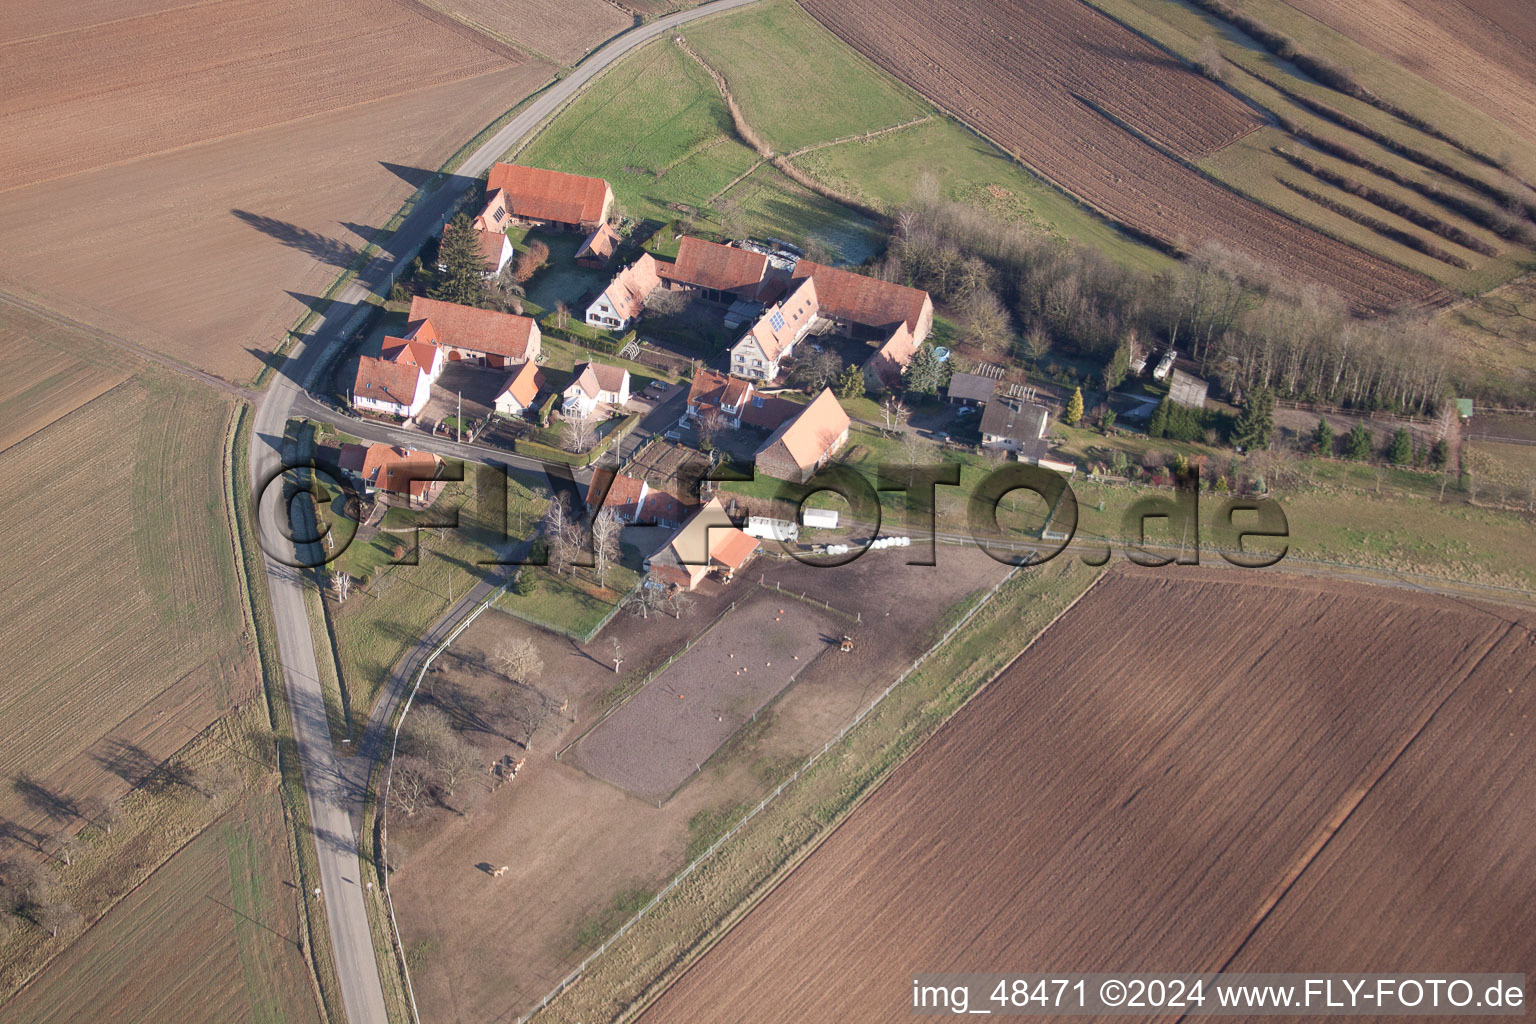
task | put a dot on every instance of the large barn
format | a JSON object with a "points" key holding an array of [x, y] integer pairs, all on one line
{"points": [[533, 196]]}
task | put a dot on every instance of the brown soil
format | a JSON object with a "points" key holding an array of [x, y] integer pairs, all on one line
{"points": [[565, 31], [1049, 81], [660, 737], [1139, 787], [211, 253], [490, 948], [1453, 47]]}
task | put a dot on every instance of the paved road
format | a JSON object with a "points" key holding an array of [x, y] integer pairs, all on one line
{"points": [[330, 797]]}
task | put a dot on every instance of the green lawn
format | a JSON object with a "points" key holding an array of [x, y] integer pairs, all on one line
{"points": [[655, 127], [796, 82], [385, 616], [571, 604], [886, 170]]}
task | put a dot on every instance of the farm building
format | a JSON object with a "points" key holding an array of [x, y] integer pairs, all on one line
{"points": [[866, 305], [803, 444], [532, 196], [390, 388], [715, 392], [598, 248], [707, 542], [970, 389], [521, 391], [624, 495], [1014, 426], [1187, 390], [495, 250], [719, 273], [396, 472], [882, 370], [592, 385], [761, 351], [624, 298], [481, 336]]}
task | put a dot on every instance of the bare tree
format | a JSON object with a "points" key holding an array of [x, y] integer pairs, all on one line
{"points": [[409, 781], [916, 450], [57, 917], [679, 602], [988, 320], [24, 883], [605, 543], [519, 660], [618, 653], [65, 846], [893, 410], [429, 734], [579, 434], [666, 302], [708, 426], [560, 531], [340, 583], [562, 315]]}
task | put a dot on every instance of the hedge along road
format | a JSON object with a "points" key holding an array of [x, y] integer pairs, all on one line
{"points": [[332, 801]]}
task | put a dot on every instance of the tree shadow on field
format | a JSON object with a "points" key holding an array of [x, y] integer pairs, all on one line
{"points": [[141, 769], [55, 805], [327, 250]]}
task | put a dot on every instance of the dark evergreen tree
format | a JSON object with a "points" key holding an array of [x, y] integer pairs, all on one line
{"points": [[1322, 437], [1257, 421], [461, 268], [1357, 443]]}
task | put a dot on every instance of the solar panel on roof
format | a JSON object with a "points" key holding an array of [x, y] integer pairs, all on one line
{"points": [[777, 320]]}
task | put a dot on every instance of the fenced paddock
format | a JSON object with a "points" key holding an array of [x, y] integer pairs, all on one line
{"points": [[665, 734]]}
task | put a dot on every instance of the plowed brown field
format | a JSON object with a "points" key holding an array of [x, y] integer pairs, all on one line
{"points": [[1138, 788], [188, 175], [1035, 78], [1435, 871], [176, 77], [1451, 46], [566, 31]]}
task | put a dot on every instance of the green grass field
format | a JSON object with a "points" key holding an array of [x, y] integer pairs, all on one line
{"points": [[656, 127], [797, 84]]}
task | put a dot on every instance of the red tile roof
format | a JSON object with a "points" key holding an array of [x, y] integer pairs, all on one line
{"points": [[768, 412], [809, 436], [524, 385], [711, 390], [411, 352], [893, 356], [780, 325], [732, 549], [662, 507], [858, 299], [401, 470], [491, 243], [630, 286], [384, 381], [478, 330], [595, 377], [623, 492], [600, 244], [718, 267], [537, 194]]}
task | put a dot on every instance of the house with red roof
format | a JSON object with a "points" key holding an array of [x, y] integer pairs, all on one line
{"points": [[396, 472], [495, 250], [866, 306], [390, 388], [707, 542], [624, 299], [535, 197], [598, 249], [719, 273], [481, 336], [882, 370], [760, 352], [521, 391], [593, 385], [804, 443], [711, 392]]}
